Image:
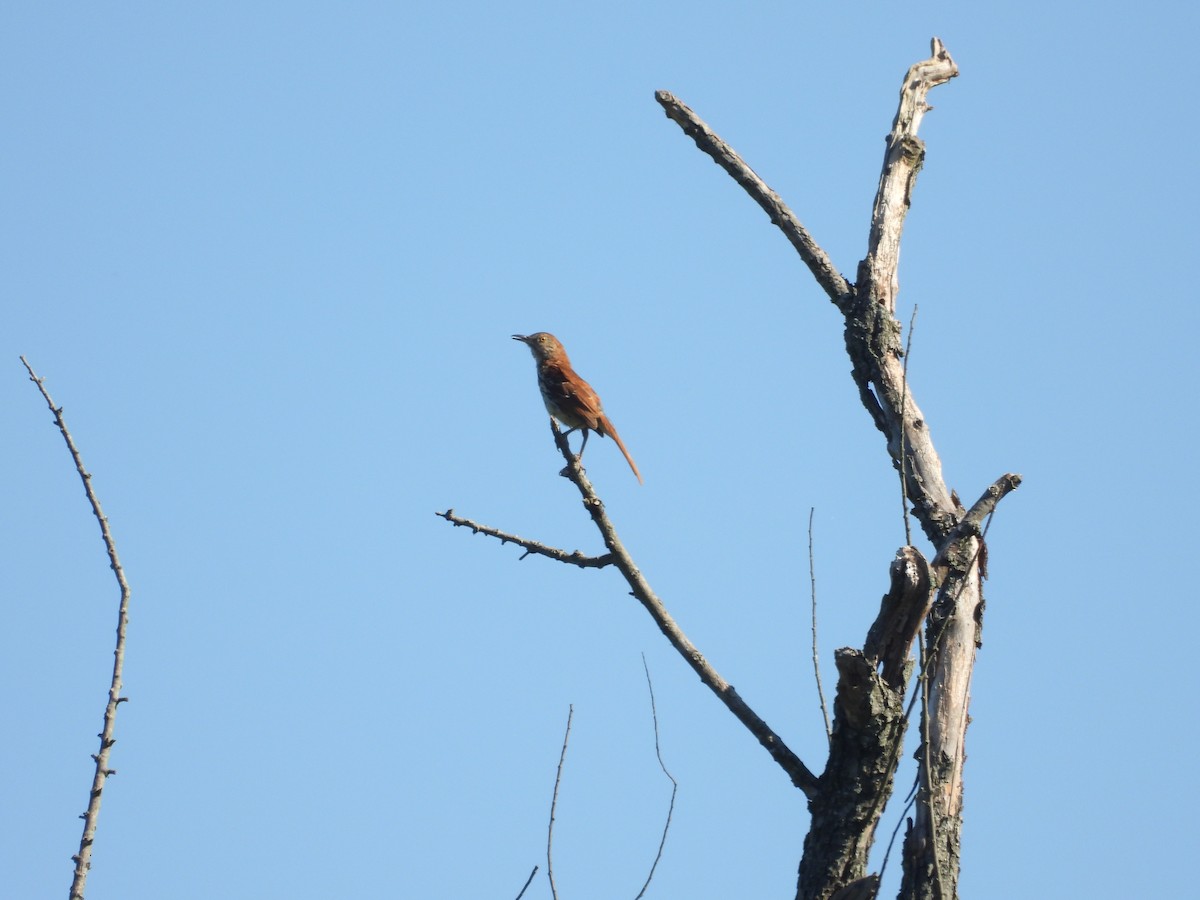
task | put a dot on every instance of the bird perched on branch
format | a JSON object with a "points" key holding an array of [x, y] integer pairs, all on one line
{"points": [[568, 397]]}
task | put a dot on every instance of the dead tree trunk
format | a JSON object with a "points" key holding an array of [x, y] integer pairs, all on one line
{"points": [[870, 709]]}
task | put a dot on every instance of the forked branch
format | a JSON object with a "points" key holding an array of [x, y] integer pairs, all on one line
{"points": [[872, 333], [834, 856], [574, 558], [800, 775]]}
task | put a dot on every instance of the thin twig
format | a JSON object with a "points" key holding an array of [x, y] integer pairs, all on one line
{"points": [[574, 558], [554, 803], [674, 784], [83, 859], [801, 776], [912, 323], [926, 773], [528, 881], [812, 578], [895, 831]]}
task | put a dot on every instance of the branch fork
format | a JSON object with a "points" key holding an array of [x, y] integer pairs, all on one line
{"points": [[869, 709], [801, 776]]}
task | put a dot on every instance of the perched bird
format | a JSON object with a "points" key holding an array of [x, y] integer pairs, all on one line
{"points": [[568, 397]]}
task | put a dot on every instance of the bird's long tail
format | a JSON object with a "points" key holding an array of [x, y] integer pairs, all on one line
{"points": [[611, 432]]}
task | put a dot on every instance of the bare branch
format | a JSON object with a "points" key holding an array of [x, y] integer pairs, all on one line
{"points": [[674, 784], [899, 821], [801, 776], [528, 881], [812, 578], [902, 160], [83, 859], [706, 139], [554, 803], [871, 331], [928, 810], [912, 324], [972, 522], [574, 558]]}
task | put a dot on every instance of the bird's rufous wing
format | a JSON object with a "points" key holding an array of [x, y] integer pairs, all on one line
{"points": [[579, 404]]}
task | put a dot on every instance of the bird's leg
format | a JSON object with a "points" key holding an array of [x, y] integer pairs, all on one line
{"points": [[567, 435], [579, 455], [570, 431]]}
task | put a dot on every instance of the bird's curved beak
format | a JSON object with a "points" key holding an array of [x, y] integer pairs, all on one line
{"points": [[523, 338]]}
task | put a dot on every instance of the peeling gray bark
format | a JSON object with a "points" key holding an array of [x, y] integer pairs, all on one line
{"points": [[869, 715]]}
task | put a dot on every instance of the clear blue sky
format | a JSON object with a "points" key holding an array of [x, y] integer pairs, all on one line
{"points": [[268, 256]]}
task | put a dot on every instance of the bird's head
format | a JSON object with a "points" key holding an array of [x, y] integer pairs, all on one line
{"points": [[542, 345]]}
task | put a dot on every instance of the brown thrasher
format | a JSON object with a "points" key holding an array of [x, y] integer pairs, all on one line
{"points": [[568, 397]]}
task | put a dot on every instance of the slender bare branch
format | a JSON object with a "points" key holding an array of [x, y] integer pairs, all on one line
{"points": [[554, 803], [887, 854], [674, 784], [912, 324], [925, 780], [528, 881], [812, 578], [574, 558], [801, 776], [83, 859], [817, 260]]}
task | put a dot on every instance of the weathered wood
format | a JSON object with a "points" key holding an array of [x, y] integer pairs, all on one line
{"points": [[869, 719]]}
